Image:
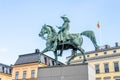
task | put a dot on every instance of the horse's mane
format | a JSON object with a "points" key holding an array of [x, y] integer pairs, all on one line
{"points": [[52, 29]]}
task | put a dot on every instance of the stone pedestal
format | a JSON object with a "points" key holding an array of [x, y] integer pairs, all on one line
{"points": [[67, 72]]}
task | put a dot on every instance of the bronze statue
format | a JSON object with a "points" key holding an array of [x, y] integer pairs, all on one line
{"points": [[64, 30], [64, 40]]}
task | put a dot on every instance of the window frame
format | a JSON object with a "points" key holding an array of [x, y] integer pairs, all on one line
{"points": [[17, 75], [97, 70], [24, 74], [116, 69], [32, 73], [106, 70]]}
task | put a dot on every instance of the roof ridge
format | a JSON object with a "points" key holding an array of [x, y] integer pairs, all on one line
{"points": [[27, 54]]}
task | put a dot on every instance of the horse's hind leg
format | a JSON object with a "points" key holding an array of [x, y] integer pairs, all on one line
{"points": [[82, 51], [72, 56]]}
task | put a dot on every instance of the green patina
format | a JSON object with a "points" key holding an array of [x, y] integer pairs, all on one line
{"points": [[63, 40]]}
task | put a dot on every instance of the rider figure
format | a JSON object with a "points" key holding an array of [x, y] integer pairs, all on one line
{"points": [[64, 30]]}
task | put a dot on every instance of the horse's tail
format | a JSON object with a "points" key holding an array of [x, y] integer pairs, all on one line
{"points": [[91, 36]]}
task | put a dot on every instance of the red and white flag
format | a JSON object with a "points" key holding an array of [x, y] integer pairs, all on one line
{"points": [[98, 24]]}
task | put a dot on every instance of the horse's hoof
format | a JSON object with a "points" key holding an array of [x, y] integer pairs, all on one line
{"points": [[59, 55], [68, 63]]}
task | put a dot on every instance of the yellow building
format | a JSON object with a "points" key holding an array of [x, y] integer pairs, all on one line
{"points": [[5, 72], [4, 76], [105, 60], [26, 66]]}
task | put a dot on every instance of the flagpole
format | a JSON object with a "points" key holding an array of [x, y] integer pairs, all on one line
{"points": [[99, 27], [100, 36]]}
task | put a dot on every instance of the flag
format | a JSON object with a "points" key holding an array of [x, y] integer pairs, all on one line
{"points": [[98, 24]]}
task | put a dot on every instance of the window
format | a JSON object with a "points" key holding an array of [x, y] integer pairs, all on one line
{"points": [[10, 71], [33, 74], [106, 67], [87, 55], [116, 77], [97, 69], [105, 52], [107, 78], [116, 66], [53, 63], [114, 51], [3, 69], [45, 60], [24, 74], [16, 75], [98, 78], [80, 57], [96, 54], [0, 68]]}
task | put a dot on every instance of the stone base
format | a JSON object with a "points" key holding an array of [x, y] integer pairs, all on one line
{"points": [[67, 72]]}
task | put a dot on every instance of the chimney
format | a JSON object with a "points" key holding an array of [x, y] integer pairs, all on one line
{"points": [[116, 44], [107, 46], [37, 50], [97, 49]]}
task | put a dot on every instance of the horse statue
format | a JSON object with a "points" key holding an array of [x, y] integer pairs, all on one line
{"points": [[49, 34]]}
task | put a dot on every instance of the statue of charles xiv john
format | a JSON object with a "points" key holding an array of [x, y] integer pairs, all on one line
{"points": [[63, 34], [63, 40]]}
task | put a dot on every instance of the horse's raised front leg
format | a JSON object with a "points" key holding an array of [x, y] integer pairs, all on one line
{"points": [[45, 50], [56, 57]]}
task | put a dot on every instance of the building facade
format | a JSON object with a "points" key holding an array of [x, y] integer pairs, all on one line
{"points": [[5, 72], [105, 60], [26, 66]]}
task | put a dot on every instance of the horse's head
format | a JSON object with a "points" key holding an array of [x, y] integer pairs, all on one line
{"points": [[43, 31], [47, 30]]}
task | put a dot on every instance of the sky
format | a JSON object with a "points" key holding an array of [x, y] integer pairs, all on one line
{"points": [[21, 22]]}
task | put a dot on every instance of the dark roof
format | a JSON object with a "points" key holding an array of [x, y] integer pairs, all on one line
{"points": [[4, 65], [27, 58], [30, 58]]}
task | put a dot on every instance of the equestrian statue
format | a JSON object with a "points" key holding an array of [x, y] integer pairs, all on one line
{"points": [[63, 40]]}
